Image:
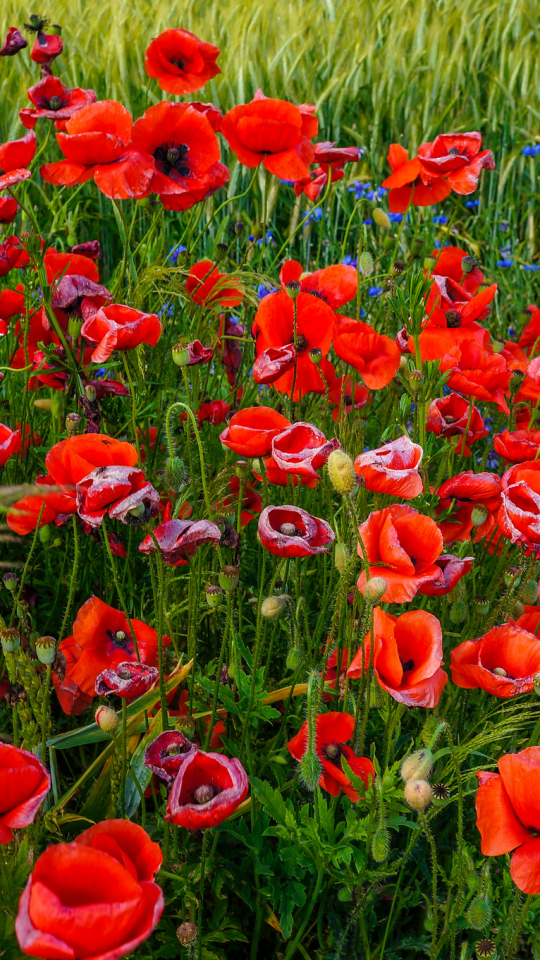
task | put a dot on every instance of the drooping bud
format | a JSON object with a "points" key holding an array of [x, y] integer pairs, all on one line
{"points": [[381, 218], [43, 403], [417, 794], [272, 607], [175, 473], [380, 845], [214, 595], [46, 650], [180, 354], [10, 639], [458, 612], [530, 593], [418, 765], [228, 578], [342, 556], [375, 589], [366, 263], [107, 720], [341, 472], [187, 933], [403, 367], [479, 914], [416, 379], [479, 515], [72, 422], [294, 659], [310, 770], [292, 288], [310, 765]]}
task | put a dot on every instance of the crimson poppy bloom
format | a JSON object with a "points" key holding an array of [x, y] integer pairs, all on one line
{"points": [[315, 183], [508, 815], [215, 412], [123, 492], [273, 363], [530, 619], [392, 468], [340, 395], [101, 640], [207, 789], [503, 662], [10, 443], [52, 100], [186, 153], [13, 43], [179, 540], [166, 754], [288, 531], [96, 145], [198, 353], [331, 733], [518, 446], [458, 157], [374, 355], [128, 680], [452, 416], [24, 784], [79, 298], [449, 263], [402, 546], [452, 569], [477, 373], [210, 288], [93, 895], [407, 657], [302, 449], [250, 432], [453, 315], [468, 490], [273, 132], [10, 254], [228, 347], [180, 62], [15, 155], [90, 249], [8, 209], [336, 285], [47, 47], [530, 337], [11, 304], [117, 327], [519, 515], [408, 183], [282, 478]]}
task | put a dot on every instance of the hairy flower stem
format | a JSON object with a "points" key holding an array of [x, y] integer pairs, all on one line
{"points": [[124, 760], [159, 599], [133, 403], [72, 579], [222, 652], [365, 692], [256, 655], [201, 895], [515, 925], [26, 566], [434, 867], [119, 590], [45, 714]]}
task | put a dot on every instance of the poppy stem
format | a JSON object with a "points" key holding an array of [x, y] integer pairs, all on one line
{"points": [[44, 714], [133, 404], [124, 760], [159, 599], [434, 866], [27, 564], [201, 894], [515, 926], [119, 590], [72, 580], [218, 674]]}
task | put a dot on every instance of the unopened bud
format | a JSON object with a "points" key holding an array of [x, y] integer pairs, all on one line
{"points": [[375, 589], [214, 595], [417, 794], [417, 766], [381, 218], [479, 515], [530, 593], [187, 933], [42, 403], [341, 472], [294, 659], [479, 914], [72, 422], [107, 720], [228, 578], [46, 650], [239, 228], [342, 556], [272, 607], [366, 263], [180, 354], [44, 533], [310, 770], [380, 845], [458, 612], [292, 288], [175, 473]]}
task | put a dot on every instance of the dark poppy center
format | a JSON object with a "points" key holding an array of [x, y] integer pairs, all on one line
{"points": [[172, 156], [318, 294], [124, 674], [178, 63], [120, 640], [204, 793], [453, 319], [332, 752], [55, 103], [453, 152], [407, 665], [301, 343], [288, 530], [74, 309]]}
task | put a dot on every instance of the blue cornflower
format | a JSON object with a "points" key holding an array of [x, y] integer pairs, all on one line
{"points": [[375, 291], [511, 332], [166, 310], [504, 225], [362, 313], [349, 261], [368, 220], [439, 220], [174, 252], [531, 266], [471, 204], [505, 263], [263, 291], [315, 214], [396, 217], [531, 150], [268, 239]]}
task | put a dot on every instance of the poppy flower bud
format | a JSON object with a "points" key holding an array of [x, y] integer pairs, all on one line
{"points": [[458, 612], [315, 355], [180, 354], [175, 474], [518, 610], [397, 267], [187, 933], [74, 327], [46, 650], [467, 264], [429, 264], [416, 247], [10, 581], [418, 765], [480, 604], [310, 770], [42, 403], [511, 575], [214, 595], [44, 534], [497, 345], [294, 659], [72, 422], [107, 720], [292, 288], [242, 469], [516, 379], [486, 950], [479, 515], [272, 607], [416, 379], [375, 589], [10, 639], [341, 472], [228, 578], [530, 593], [417, 794], [90, 392], [342, 556], [479, 914], [366, 263], [381, 218], [380, 845]]}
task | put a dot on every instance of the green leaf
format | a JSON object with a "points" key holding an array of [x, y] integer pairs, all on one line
{"points": [[271, 800]]}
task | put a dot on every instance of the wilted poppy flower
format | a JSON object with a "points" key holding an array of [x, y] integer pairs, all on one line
{"points": [[101, 640], [52, 100], [449, 263], [508, 815], [198, 353], [275, 133], [503, 662], [302, 449], [402, 546], [336, 285], [13, 43], [128, 680], [117, 327], [519, 515], [452, 416], [210, 288], [79, 297], [10, 443], [15, 155], [458, 157], [47, 47], [392, 469], [95, 145], [228, 348], [340, 394], [374, 355], [291, 532], [166, 754], [186, 153], [407, 185], [180, 62], [214, 412], [8, 209], [250, 432], [273, 363], [331, 733], [407, 657], [452, 569], [90, 249], [123, 492], [207, 789], [95, 894], [24, 784], [517, 446], [468, 490], [477, 373], [179, 540]]}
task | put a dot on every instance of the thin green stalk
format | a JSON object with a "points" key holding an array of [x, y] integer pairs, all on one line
{"points": [[119, 590], [201, 894], [72, 579], [124, 760], [291, 950]]}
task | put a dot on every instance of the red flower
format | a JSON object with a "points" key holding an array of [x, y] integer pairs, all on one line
{"points": [[94, 896], [530, 338], [468, 490], [519, 515], [408, 182], [198, 353], [335, 285], [8, 209], [79, 298], [291, 532], [331, 733], [47, 47], [207, 789], [96, 146], [302, 449], [402, 546], [452, 569], [179, 540], [123, 492], [458, 157], [166, 754], [208, 110], [340, 394], [407, 657], [10, 443], [477, 373], [11, 304], [449, 263], [275, 133], [13, 43], [393, 469], [180, 62], [128, 680], [508, 815], [215, 412], [10, 254], [281, 478], [273, 363], [451, 416], [250, 431], [186, 153], [90, 249], [503, 662], [52, 100], [452, 319], [24, 784], [315, 183], [517, 446], [374, 355], [15, 155], [101, 641], [117, 327], [210, 288]]}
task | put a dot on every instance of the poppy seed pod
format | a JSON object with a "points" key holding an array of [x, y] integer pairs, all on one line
{"points": [[429, 264], [417, 794], [417, 766], [341, 472], [416, 379], [107, 720], [72, 422], [381, 218], [214, 595], [292, 288], [228, 578], [480, 604], [315, 355], [187, 933], [10, 639], [375, 589], [180, 354], [416, 247], [242, 469], [10, 581], [479, 515], [486, 950], [46, 650]]}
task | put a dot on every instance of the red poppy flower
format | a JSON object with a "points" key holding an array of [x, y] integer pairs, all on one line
{"points": [[458, 157], [402, 546], [530, 619], [24, 784], [275, 133], [207, 789], [451, 416], [186, 153], [8, 209], [128, 680], [452, 319], [331, 733], [530, 337], [13, 43], [10, 443], [335, 285], [508, 815], [477, 373], [374, 355], [407, 657], [11, 304], [117, 327], [79, 298], [340, 395], [449, 263], [316, 182], [95, 145], [452, 569], [198, 353], [468, 490], [90, 249], [517, 446], [166, 754], [407, 185], [281, 478], [392, 468], [250, 431], [179, 540], [519, 515], [288, 531], [52, 100], [15, 155], [214, 412], [503, 662], [91, 896], [180, 62], [47, 47], [302, 449], [101, 640], [123, 492], [273, 363], [208, 287]]}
